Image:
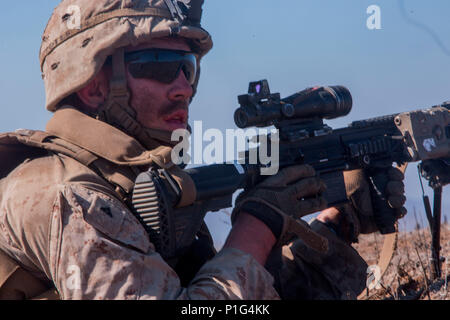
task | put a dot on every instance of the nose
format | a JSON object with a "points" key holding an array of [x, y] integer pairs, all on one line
{"points": [[181, 90]]}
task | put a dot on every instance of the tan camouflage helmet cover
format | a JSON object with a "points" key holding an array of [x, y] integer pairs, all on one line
{"points": [[81, 34]]}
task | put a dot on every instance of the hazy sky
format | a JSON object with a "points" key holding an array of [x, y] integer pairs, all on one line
{"points": [[292, 43]]}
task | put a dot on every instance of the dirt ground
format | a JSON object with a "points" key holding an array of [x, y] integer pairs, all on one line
{"points": [[408, 276]]}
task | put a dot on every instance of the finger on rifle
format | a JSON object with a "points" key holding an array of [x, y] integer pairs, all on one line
{"points": [[396, 201], [401, 212], [395, 188], [395, 174], [308, 187], [308, 206], [289, 175]]}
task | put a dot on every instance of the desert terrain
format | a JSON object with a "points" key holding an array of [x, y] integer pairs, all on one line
{"points": [[409, 276]]}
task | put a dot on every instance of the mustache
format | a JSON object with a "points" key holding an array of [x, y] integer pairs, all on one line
{"points": [[173, 107]]}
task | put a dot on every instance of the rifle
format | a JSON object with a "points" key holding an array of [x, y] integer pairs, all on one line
{"points": [[372, 144]]}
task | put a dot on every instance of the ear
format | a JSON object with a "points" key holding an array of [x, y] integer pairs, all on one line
{"points": [[94, 94]]}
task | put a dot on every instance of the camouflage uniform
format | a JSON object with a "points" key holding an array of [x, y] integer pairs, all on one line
{"points": [[62, 222], [67, 225]]}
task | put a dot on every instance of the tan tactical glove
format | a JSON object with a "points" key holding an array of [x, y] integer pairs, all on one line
{"points": [[359, 215], [279, 200]]}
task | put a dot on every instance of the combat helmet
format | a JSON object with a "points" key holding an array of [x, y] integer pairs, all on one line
{"points": [[82, 34]]}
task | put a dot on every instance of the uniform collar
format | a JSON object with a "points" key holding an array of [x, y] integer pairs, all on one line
{"points": [[100, 138]]}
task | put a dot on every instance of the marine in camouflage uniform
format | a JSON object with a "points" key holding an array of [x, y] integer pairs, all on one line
{"points": [[64, 193]]}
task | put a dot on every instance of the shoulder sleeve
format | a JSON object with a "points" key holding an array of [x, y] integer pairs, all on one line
{"points": [[98, 250]]}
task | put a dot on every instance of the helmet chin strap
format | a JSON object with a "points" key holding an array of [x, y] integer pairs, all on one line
{"points": [[117, 112]]}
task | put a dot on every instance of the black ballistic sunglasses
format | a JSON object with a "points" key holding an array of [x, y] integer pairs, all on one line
{"points": [[162, 65]]}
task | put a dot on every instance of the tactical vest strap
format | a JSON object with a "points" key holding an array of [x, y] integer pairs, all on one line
{"points": [[17, 283], [162, 157], [13, 153], [121, 177], [44, 140]]}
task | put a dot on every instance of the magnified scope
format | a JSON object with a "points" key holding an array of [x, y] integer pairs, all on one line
{"points": [[265, 109]]}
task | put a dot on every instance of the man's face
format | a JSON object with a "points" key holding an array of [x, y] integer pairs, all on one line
{"points": [[159, 105]]}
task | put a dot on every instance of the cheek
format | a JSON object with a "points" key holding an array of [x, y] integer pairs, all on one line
{"points": [[144, 98]]}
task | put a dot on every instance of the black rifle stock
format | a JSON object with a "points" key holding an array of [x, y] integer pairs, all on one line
{"points": [[371, 144]]}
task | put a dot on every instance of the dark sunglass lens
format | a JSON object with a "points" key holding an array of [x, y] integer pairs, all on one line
{"points": [[190, 68], [163, 66], [188, 73], [165, 72]]}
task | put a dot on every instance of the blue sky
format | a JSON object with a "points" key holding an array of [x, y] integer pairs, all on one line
{"points": [[292, 43]]}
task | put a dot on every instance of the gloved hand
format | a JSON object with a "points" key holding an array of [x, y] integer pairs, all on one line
{"points": [[280, 199], [437, 172], [359, 213]]}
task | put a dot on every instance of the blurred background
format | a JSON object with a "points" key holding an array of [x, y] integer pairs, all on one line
{"points": [[294, 44]]}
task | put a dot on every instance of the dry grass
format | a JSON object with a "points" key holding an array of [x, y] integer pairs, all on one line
{"points": [[408, 277]]}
